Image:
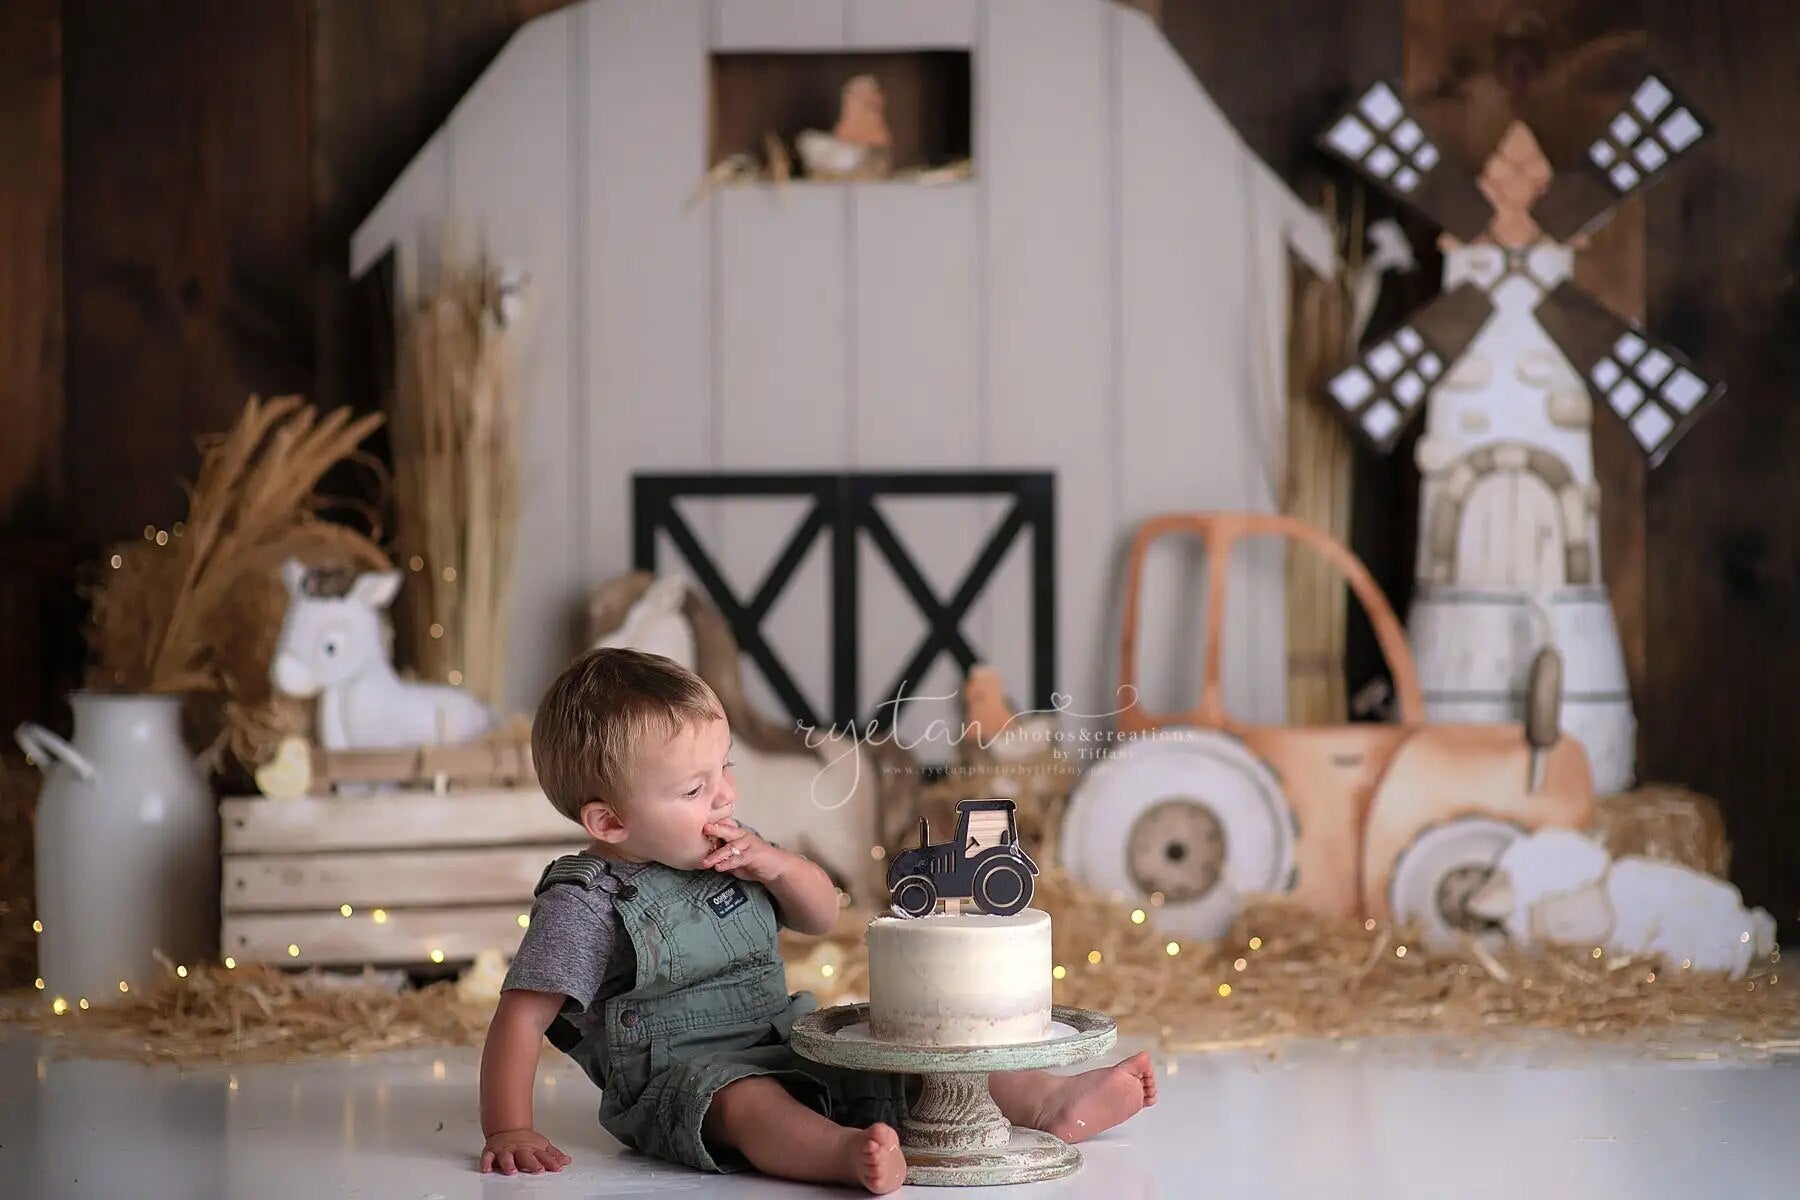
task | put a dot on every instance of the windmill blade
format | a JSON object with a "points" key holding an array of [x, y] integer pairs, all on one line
{"points": [[1384, 390], [1651, 387], [1646, 136], [1375, 134]]}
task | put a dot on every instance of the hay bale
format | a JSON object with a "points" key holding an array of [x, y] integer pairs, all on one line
{"points": [[1666, 822]]}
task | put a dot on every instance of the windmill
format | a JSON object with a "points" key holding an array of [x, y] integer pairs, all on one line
{"points": [[1508, 365]]}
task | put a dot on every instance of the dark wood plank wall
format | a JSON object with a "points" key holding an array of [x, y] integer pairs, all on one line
{"points": [[34, 560], [201, 164], [1723, 564]]}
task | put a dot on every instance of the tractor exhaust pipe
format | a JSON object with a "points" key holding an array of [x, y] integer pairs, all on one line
{"points": [[1543, 713]]}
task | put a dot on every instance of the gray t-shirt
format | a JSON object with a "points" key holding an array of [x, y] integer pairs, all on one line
{"points": [[576, 946]]}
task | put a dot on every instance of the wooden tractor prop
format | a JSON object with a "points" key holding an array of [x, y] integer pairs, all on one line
{"points": [[984, 863]]}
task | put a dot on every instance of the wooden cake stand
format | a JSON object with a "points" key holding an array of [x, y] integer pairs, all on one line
{"points": [[955, 1134]]}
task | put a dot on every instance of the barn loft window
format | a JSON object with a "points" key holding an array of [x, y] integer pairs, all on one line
{"points": [[898, 114]]}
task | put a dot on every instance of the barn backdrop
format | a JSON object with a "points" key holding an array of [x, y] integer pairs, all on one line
{"points": [[181, 182]]}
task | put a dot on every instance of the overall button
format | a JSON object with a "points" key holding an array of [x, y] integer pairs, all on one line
{"points": [[628, 1018]]}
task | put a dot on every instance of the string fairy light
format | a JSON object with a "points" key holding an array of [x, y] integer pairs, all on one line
{"points": [[1058, 971], [1137, 916]]}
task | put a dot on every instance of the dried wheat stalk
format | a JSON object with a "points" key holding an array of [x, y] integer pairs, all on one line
{"points": [[158, 610], [1320, 460], [456, 429]]}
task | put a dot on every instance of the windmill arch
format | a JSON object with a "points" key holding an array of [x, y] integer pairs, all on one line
{"points": [[1444, 521]]}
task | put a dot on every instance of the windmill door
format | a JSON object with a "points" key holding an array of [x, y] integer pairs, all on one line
{"points": [[1511, 533]]}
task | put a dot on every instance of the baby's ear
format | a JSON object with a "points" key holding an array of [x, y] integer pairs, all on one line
{"points": [[602, 822]]}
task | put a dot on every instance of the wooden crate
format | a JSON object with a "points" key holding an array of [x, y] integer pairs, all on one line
{"points": [[421, 872]]}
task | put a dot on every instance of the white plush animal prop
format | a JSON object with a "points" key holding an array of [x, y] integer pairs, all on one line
{"points": [[824, 804], [332, 648], [1560, 888]]}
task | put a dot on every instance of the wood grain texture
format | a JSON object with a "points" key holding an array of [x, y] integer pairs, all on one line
{"points": [[383, 78], [407, 937], [31, 291], [186, 239], [1724, 510], [34, 561], [391, 820], [390, 879]]}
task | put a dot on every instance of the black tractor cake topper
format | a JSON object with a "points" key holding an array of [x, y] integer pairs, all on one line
{"points": [[983, 863]]}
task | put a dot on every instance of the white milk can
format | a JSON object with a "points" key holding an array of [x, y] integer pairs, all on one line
{"points": [[127, 847]]}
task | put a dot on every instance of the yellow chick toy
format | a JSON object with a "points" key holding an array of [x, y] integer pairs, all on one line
{"points": [[288, 775]]}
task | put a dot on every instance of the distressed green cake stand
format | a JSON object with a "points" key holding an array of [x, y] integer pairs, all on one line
{"points": [[955, 1135]]}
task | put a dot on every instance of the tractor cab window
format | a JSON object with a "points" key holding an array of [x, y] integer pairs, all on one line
{"points": [[986, 830]]}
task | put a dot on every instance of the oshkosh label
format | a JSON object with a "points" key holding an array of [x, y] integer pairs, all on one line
{"points": [[728, 899]]}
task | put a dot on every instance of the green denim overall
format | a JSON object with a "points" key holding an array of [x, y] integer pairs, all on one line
{"points": [[710, 1006]]}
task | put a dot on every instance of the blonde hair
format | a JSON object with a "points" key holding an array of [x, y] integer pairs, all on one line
{"points": [[594, 719]]}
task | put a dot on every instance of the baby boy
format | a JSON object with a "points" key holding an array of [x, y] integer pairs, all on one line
{"points": [[651, 960]]}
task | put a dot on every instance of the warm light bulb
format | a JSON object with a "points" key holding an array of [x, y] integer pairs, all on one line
{"points": [[1094, 957], [123, 986], [40, 983], [524, 920], [162, 538], [230, 963], [84, 1002], [59, 1006], [1650, 978], [345, 909], [1256, 943], [380, 916], [416, 563], [1399, 951], [1137, 916], [116, 562], [878, 852], [1058, 971], [449, 574], [437, 956], [1598, 952], [1224, 989], [293, 950], [37, 927], [828, 970], [1173, 948], [455, 677], [1239, 965], [1369, 924], [181, 971]]}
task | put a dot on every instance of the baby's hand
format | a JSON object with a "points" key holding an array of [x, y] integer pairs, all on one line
{"points": [[513, 1150], [742, 853]]}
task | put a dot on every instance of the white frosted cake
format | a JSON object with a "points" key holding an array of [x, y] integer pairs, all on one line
{"points": [[965, 979]]}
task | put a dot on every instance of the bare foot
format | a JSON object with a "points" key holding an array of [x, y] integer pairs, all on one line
{"points": [[874, 1158], [1080, 1106]]}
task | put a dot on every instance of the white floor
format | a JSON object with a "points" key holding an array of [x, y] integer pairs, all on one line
{"points": [[1545, 1120]]}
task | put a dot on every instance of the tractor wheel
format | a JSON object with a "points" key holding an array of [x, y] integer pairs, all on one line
{"points": [[1002, 885], [1439, 870], [914, 896]]}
